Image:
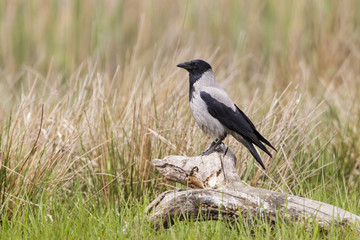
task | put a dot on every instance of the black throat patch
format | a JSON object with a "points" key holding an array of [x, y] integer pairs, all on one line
{"points": [[193, 77]]}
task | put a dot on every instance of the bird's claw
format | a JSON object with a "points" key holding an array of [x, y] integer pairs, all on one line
{"points": [[211, 149], [207, 152]]}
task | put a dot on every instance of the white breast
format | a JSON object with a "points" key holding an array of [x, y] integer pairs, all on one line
{"points": [[208, 124]]}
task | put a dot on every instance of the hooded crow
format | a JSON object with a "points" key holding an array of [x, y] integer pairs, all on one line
{"points": [[215, 112]]}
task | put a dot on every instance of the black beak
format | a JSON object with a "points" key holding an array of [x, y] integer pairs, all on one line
{"points": [[185, 65]]}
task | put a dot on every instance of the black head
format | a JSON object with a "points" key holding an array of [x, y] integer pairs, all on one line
{"points": [[196, 67]]}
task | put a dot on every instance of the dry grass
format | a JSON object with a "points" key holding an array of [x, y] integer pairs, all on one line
{"points": [[90, 92]]}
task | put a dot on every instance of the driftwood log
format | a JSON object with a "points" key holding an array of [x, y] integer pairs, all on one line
{"points": [[219, 194]]}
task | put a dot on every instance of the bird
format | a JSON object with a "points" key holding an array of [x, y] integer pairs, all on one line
{"points": [[216, 114]]}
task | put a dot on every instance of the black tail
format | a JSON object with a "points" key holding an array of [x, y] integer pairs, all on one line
{"points": [[257, 134], [261, 138], [255, 153]]}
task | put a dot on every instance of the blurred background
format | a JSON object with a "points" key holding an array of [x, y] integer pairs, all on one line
{"points": [[90, 92], [64, 34]]}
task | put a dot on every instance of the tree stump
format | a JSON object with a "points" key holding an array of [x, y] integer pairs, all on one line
{"points": [[219, 194]]}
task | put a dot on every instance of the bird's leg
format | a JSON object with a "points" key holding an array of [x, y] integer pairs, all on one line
{"points": [[213, 145], [210, 149]]}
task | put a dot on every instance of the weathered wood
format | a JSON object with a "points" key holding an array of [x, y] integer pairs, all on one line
{"points": [[220, 193], [216, 170]]}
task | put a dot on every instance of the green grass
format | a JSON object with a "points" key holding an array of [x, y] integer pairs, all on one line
{"points": [[90, 93], [74, 219]]}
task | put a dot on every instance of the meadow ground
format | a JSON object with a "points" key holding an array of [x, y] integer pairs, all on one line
{"points": [[90, 93]]}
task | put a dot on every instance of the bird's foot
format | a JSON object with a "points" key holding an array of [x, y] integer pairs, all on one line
{"points": [[212, 148], [207, 152]]}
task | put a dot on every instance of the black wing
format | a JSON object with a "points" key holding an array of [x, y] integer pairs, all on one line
{"points": [[238, 122], [260, 137]]}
